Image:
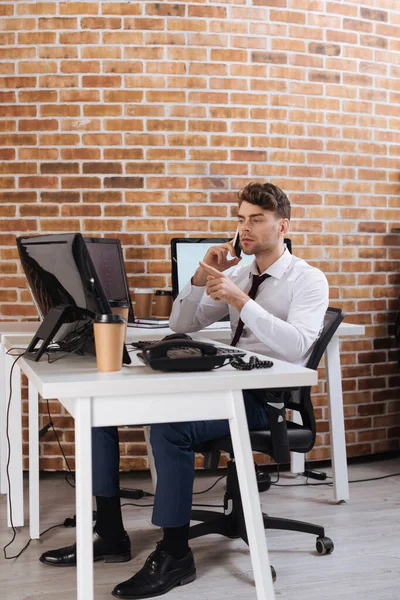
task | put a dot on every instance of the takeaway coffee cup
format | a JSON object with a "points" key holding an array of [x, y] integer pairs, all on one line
{"points": [[109, 338], [120, 307], [163, 303], [143, 302]]}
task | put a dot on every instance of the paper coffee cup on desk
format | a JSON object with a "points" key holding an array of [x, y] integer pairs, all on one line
{"points": [[143, 302], [120, 307], [163, 300], [109, 339]]}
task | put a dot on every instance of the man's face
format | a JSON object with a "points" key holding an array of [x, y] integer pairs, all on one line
{"points": [[259, 230]]}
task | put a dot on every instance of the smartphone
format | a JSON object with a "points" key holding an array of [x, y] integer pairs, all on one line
{"points": [[236, 243]]}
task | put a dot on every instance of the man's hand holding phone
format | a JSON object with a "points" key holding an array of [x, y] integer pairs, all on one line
{"points": [[220, 257]]}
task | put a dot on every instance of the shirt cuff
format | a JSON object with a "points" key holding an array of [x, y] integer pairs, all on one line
{"points": [[250, 312], [194, 291]]}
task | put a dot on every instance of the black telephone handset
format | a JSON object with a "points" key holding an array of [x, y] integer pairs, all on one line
{"points": [[181, 355]]}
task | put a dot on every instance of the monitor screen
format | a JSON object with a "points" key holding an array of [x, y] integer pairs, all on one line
{"points": [[60, 272], [106, 255], [187, 252]]}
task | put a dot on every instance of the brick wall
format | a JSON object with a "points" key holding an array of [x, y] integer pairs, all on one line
{"points": [[141, 120]]}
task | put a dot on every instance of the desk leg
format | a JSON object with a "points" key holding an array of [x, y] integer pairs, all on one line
{"points": [[336, 421], [297, 460], [150, 456], [3, 409], [15, 504], [34, 525], [83, 498], [250, 498]]}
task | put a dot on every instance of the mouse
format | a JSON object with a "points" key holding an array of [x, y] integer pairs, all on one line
{"points": [[177, 336]]}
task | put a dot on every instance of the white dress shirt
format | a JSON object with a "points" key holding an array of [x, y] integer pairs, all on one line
{"points": [[283, 321]]}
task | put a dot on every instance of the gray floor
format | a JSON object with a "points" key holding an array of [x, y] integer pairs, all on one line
{"points": [[364, 566]]}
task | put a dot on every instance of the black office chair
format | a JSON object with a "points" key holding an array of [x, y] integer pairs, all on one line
{"points": [[277, 442]]}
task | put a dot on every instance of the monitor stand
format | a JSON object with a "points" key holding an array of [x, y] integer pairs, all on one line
{"points": [[50, 325], [55, 318]]}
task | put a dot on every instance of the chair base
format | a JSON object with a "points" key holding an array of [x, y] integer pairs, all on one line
{"points": [[227, 526], [231, 522]]}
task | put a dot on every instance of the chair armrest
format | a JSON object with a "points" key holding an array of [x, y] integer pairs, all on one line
{"points": [[275, 403]]}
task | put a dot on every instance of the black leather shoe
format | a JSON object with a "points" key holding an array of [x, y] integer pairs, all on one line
{"points": [[160, 573], [109, 552]]}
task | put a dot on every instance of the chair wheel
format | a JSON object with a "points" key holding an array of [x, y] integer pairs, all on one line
{"points": [[273, 574], [324, 545]]}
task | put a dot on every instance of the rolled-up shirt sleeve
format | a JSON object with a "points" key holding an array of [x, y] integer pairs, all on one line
{"points": [[291, 339], [193, 310]]}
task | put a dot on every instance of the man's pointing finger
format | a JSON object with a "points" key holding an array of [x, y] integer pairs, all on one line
{"points": [[211, 270]]}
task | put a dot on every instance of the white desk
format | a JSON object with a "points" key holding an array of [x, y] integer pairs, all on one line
{"points": [[335, 400], [140, 395]]}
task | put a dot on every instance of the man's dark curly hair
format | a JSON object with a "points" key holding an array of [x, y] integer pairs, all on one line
{"points": [[268, 196]]}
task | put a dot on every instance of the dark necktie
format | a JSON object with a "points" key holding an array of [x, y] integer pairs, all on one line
{"points": [[257, 281]]}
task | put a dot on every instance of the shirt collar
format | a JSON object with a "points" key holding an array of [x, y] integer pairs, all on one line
{"points": [[277, 269]]}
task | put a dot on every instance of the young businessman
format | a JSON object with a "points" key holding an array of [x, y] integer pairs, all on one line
{"points": [[276, 307]]}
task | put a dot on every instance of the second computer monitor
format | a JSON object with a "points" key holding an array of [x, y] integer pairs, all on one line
{"points": [[187, 252], [107, 257]]}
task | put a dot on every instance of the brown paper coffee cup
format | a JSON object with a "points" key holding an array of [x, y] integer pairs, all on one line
{"points": [[143, 302], [163, 303], [120, 308], [109, 338]]}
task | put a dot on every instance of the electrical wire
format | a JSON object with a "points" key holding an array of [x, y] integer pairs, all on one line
{"points": [[211, 486], [8, 459], [151, 505], [62, 451], [29, 541], [9, 352], [330, 483]]}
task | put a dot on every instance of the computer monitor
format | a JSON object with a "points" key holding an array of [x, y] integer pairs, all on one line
{"points": [[187, 252], [66, 289], [108, 260]]}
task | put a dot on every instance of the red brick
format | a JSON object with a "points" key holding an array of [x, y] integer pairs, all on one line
{"points": [[123, 182], [39, 210], [17, 167], [60, 197], [55, 225], [123, 211], [123, 153], [145, 225], [80, 182], [38, 181], [121, 8], [79, 38], [17, 225]]}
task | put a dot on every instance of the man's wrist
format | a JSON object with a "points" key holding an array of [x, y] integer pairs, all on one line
{"points": [[197, 279], [240, 302]]}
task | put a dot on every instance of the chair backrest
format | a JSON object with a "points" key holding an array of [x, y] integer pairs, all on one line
{"points": [[333, 318], [301, 399], [288, 244]]}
